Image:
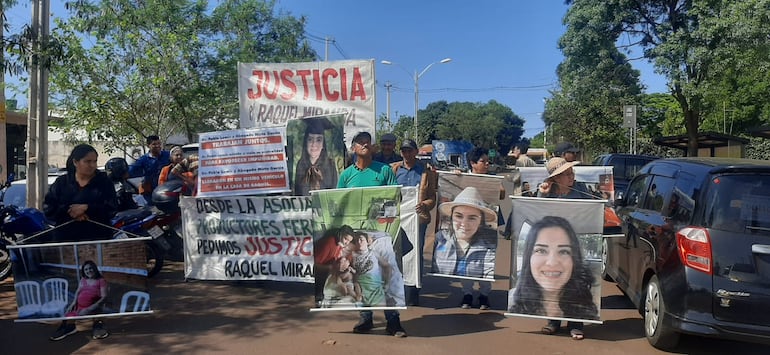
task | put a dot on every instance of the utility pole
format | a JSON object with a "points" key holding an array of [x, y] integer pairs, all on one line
{"points": [[388, 85], [3, 138], [37, 124], [326, 48]]}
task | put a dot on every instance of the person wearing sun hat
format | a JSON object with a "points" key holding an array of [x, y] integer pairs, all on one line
{"points": [[468, 247], [561, 184], [561, 181]]}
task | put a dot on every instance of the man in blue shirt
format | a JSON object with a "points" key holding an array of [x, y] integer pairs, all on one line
{"points": [[149, 166], [412, 172], [364, 173]]}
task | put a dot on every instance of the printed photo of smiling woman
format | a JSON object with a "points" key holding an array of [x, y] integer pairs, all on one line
{"points": [[554, 281]]}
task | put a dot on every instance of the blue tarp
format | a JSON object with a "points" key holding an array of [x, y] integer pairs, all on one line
{"points": [[448, 155]]}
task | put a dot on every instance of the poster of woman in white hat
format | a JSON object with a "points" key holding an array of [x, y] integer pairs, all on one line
{"points": [[466, 246]]}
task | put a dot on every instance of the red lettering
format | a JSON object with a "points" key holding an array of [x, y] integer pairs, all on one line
{"points": [[344, 86], [251, 247], [250, 92], [263, 246], [307, 246], [266, 85], [317, 84], [303, 75], [357, 87], [330, 95], [286, 76]]}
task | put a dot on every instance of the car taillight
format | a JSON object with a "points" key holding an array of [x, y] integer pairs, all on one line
{"points": [[695, 248]]}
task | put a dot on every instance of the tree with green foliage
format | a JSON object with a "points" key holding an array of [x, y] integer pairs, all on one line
{"points": [[133, 69], [595, 81], [698, 45]]}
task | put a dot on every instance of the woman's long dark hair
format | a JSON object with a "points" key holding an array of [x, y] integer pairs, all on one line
{"points": [[97, 274], [575, 300], [79, 152], [304, 165]]}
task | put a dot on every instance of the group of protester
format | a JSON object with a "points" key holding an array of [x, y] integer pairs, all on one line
{"points": [[159, 166], [467, 247], [85, 193]]}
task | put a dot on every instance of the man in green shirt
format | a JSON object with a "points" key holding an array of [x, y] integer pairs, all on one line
{"points": [[366, 172]]}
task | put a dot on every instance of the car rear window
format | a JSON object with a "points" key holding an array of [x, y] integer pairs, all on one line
{"points": [[739, 203]]}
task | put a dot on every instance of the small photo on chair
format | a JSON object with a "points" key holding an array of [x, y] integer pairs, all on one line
{"points": [[80, 280]]}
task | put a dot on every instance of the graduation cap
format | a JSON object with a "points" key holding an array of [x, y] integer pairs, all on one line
{"points": [[317, 125]]}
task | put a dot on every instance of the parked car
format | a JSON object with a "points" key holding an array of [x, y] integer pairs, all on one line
{"points": [[624, 167], [16, 193], [695, 252]]}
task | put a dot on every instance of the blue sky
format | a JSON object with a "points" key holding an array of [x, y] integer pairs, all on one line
{"points": [[500, 50]]}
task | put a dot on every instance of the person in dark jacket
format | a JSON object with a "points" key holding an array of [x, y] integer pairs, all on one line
{"points": [[83, 194]]}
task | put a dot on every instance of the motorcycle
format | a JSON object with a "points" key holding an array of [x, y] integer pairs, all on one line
{"points": [[16, 224], [163, 225]]}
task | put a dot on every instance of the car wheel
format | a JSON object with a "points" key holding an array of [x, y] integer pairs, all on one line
{"points": [[658, 334], [605, 257]]}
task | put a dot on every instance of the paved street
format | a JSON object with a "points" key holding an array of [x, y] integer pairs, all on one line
{"points": [[201, 317]]}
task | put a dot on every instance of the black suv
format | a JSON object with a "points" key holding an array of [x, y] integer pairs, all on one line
{"points": [[695, 252], [624, 167]]}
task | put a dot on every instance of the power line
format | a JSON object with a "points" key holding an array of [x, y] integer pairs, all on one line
{"points": [[495, 88]]}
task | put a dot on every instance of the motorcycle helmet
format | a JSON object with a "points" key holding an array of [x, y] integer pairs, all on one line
{"points": [[116, 168], [166, 197]]}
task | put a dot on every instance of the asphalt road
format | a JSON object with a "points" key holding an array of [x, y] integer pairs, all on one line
{"points": [[203, 317]]}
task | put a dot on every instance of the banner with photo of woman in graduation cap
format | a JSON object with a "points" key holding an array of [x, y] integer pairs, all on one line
{"points": [[315, 148]]}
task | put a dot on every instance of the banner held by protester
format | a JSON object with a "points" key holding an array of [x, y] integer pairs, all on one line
{"points": [[242, 162], [358, 247], [555, 261], [248, 238], [53, 281]]}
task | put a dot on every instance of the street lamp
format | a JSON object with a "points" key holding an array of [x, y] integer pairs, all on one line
{"points": [[416, 78]]}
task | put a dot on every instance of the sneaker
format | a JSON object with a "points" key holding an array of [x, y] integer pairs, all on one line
{"points": [[364, 325], [467, 300], [394, 328], [483, 302], [98, 331], [63, 331]]}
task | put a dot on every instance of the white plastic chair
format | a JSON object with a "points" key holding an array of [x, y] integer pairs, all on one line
{"points": [[55, 294], [28, 298], [141, 303]]}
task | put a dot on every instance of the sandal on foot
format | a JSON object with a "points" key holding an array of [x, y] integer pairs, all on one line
{"points": [[549, 329], [576, 334]]}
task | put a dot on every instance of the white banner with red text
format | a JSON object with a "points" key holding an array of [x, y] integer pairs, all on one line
{"points": [[271, 94]]}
